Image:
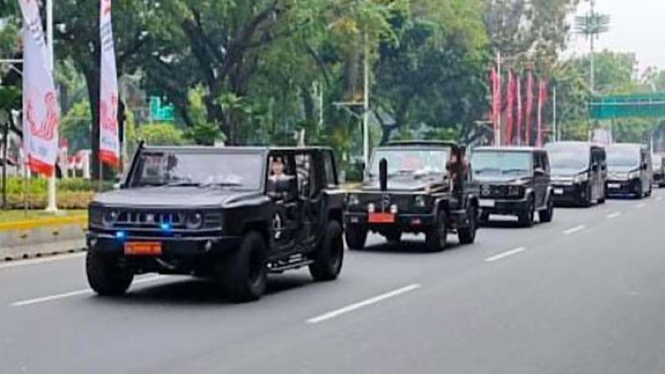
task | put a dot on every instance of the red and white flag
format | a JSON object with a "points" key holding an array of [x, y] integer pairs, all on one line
{"points": [[518, 88], [41, 115], [542, 97], [109, 142], [529, 108], [510, 110]]}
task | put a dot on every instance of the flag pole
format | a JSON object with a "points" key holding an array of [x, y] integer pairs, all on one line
{"points": [[52, 206]]}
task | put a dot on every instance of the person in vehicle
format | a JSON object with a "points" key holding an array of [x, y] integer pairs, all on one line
{"points": [[457, 168], [277, 169]]}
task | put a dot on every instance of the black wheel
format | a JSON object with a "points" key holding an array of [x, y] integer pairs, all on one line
{"points": [[436, 236], [548, 214], [648, 194], [106, 274], [356, 236], [526, 218], [393, 236], [639, 194], [484, 217], [244, 273], [329, 256], [587, 198], [467, 235]]}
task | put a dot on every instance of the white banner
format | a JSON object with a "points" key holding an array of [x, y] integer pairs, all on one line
{"points": [[109, 142], [40, 104]]}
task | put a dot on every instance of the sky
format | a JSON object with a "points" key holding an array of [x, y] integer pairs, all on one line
{"points": [[637, 26]]}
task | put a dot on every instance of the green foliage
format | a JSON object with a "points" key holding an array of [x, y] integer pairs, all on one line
{"points": [[76, 127], [202, 132], [160, 134]]}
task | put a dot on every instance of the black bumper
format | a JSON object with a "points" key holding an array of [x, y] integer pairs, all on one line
{"points": [[405, 221], [504, 207], [172, 247], [570, 193], [631, 187]]}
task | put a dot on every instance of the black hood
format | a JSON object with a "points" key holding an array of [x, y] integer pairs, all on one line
{"points": [[406, 183], [178, 197]]}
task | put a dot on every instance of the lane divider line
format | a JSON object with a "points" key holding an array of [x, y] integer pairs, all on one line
{"points": [[640, 206], [574, 230], [614, 215], [503, 255], [74, 293], [363, 304]]}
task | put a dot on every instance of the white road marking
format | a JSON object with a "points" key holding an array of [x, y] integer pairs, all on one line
{"points": [[363, 304], [574, 230], [614, 215], [37, 261], [640, 206], [505, 254], [75, 293]]}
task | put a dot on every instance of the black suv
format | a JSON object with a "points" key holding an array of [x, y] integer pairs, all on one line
{"points": [[514, 181], [233, 214], [414, 187]]}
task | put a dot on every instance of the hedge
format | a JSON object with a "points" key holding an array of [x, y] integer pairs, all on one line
{"points": [[74, 193]]}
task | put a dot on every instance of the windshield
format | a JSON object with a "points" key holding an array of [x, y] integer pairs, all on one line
{"points": [[233, 170], [623, 158], [407, 161], [569, 159], [487, 163]]}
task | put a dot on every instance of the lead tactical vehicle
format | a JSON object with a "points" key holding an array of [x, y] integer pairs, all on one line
{"points": [[414, 187], [233, 214]]}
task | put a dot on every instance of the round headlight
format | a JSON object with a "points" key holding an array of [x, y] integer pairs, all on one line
{"points": [[515, 190], [371, 207], [354, 200], [110, 217], [420, 201], [194, 220], [394, 209]]}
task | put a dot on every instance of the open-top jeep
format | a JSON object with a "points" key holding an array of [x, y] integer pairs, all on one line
{"points": [[233, 214], [414, 187]]}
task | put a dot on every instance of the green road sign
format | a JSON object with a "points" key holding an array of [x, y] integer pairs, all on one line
{"points": [[624, 106], [161, 112]]}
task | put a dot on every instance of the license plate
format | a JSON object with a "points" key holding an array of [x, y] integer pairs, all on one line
{"points": [[381, 218], [487, 203], [143, 248], [558, 191], [614, 186]]}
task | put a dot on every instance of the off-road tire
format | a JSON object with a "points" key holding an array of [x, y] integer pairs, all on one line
{"points": [[547, 214], [436, 236], [356, 236], [244, 272], [329, 257], [105, 274], [467, 235], [526, 218]]}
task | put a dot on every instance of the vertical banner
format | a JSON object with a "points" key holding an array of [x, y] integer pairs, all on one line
{"points": [[518, 88], [109, 142], [495, 107], [542, 96], [510, 110], [529, 108], [40, 104]]}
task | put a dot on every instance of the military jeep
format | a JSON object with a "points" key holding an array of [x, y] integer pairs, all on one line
{"points": [[414, 187], [232, 214]]}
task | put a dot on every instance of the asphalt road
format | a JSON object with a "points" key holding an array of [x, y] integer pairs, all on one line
{"points": [[584, 294]]}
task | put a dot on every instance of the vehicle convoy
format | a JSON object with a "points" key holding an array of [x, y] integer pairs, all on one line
{"points": [[231, 214], [414, 187], [514, 181], [658, 167], [579, 173], [629, 170]]}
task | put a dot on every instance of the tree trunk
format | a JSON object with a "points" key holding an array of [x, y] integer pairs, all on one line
{"points": [[93, 84], [308, 104]]}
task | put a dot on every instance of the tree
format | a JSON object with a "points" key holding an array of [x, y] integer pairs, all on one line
{"points": [[76, 127], [160, 134]]}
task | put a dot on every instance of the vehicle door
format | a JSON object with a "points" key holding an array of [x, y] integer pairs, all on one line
{"points": [[310, 194], [540, 179], [282, 187]]}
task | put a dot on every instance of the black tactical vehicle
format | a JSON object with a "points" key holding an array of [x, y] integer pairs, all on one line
{"points": [[514, 181], [233, 214], [414, 187]]}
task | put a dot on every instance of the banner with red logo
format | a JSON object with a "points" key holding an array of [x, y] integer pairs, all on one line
{"points": [[510, 110], [518, 88], [109, 142], [529, 108], [542, 98], [40, 104]]}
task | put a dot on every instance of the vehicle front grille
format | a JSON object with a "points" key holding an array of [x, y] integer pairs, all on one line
{"points": [[150, 219], [488, 191]]}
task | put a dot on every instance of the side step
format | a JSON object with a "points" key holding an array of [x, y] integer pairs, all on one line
{"points": [[293, 262]]}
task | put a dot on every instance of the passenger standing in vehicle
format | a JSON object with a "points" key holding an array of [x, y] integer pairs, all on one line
{"points": [[457, 169]]}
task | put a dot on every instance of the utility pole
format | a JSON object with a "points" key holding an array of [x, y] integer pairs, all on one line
{"points": [[52, 206]]}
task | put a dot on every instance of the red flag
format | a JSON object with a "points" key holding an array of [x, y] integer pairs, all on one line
{"points": [[518, 88], [542, 96], [510, 110], [496, 101], [529, 107]]}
